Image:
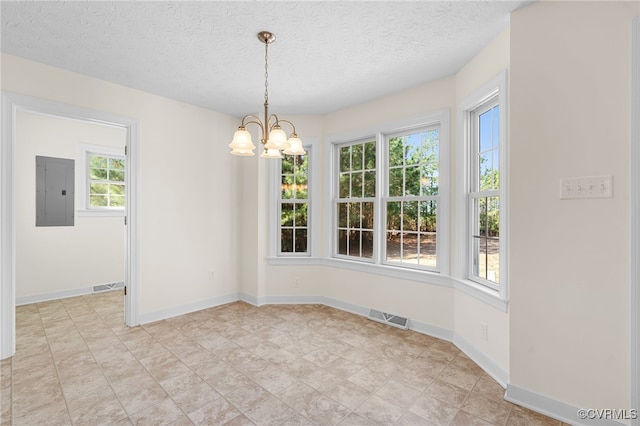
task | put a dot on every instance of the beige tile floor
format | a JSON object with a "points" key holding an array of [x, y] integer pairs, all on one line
{"points": [[77, 363]]}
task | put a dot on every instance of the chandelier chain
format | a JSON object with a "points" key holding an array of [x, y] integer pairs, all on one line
{"points": [[266, 73]]}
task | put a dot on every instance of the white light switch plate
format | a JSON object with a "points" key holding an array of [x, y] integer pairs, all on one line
{"points": [[586, 187]]}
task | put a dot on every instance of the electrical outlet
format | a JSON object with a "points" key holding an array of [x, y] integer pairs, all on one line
{"points": [[212, 274], [296, 282], [484, 331]]}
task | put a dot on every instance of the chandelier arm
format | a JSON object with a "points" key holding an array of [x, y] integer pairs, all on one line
{"points": [[256, 120], [289, 123]]}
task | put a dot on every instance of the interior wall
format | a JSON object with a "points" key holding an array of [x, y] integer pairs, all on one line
{"points": [[569, 269], [186, 216], [51, 260]]}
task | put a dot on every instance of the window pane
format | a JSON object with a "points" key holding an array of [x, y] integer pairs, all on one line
{"points": [[343, 238], [428, 216], [287, 214], [342, 214], [487, 259], [354, 215], [493, 216], [287, 164], [412, 180], [395, 182], [301, 240], [429, 179], [99, 188], [287, 187], [486, 131], [116, 189], [356, 184], [357, 155], [345, 185], [354, 243], [369, 185], [345, 158], [286, 240], [496, 126], [412, 149], [410, 247], [396, 152], [116, 163], [428, 250], [410, 216], [493, 260], [430, 145], [98, 162], [370, 155], [394, 246], [482, 216], [98, 174], [98, 201], [367, 244], [301, 215], [116, 201], [393, 216], [301, 188], [367, 215], [116, 175]]}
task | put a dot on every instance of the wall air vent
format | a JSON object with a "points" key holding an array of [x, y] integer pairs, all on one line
{"points": [[107, 287], [389, 319]]}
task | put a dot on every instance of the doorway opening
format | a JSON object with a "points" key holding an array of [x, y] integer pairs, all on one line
{"points": [[13, 108]]}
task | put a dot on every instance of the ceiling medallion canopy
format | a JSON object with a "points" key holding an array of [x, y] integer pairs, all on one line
{"points": [[272, 137]]}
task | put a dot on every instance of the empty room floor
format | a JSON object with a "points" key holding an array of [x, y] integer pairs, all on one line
{"points": [[77, 363]]}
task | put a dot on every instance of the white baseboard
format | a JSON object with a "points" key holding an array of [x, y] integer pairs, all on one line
{"points": [[498, 373], [38, 298], [189, 308], [556, 409]]}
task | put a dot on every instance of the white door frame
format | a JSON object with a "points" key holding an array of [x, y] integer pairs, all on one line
{"points": [[634, 202], [11, 104]]}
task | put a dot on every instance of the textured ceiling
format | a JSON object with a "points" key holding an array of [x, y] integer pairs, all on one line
{"points": [[328, 55]]}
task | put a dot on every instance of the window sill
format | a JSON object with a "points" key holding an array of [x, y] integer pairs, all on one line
{"points": [[482, 293], [100, 213], [294, 260]]}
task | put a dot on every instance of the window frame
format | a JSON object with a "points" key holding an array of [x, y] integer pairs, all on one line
{"points": [[494, 92], [274, 172], [83, 180], [386, 198], [280, 201], [376, 265], [336, 200]]}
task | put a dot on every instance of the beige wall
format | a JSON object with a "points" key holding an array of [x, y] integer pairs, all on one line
{"points": [[56, 259], [186, 224], [569, 263]]}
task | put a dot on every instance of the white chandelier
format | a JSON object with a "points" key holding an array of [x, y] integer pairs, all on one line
{"points": [[272, 137]]}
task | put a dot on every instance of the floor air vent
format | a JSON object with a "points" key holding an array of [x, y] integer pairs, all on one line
{"points": [[389, 319], [107, 287]]}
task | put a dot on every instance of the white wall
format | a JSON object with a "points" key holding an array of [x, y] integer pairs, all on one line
{"points": [[187, 222], [51, 260], [570, 98]]}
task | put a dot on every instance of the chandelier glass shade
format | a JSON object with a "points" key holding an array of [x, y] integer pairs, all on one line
{"points": [[272, 137]]}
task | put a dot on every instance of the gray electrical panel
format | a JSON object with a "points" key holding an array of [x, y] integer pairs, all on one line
{"points": [[54, 191]]}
